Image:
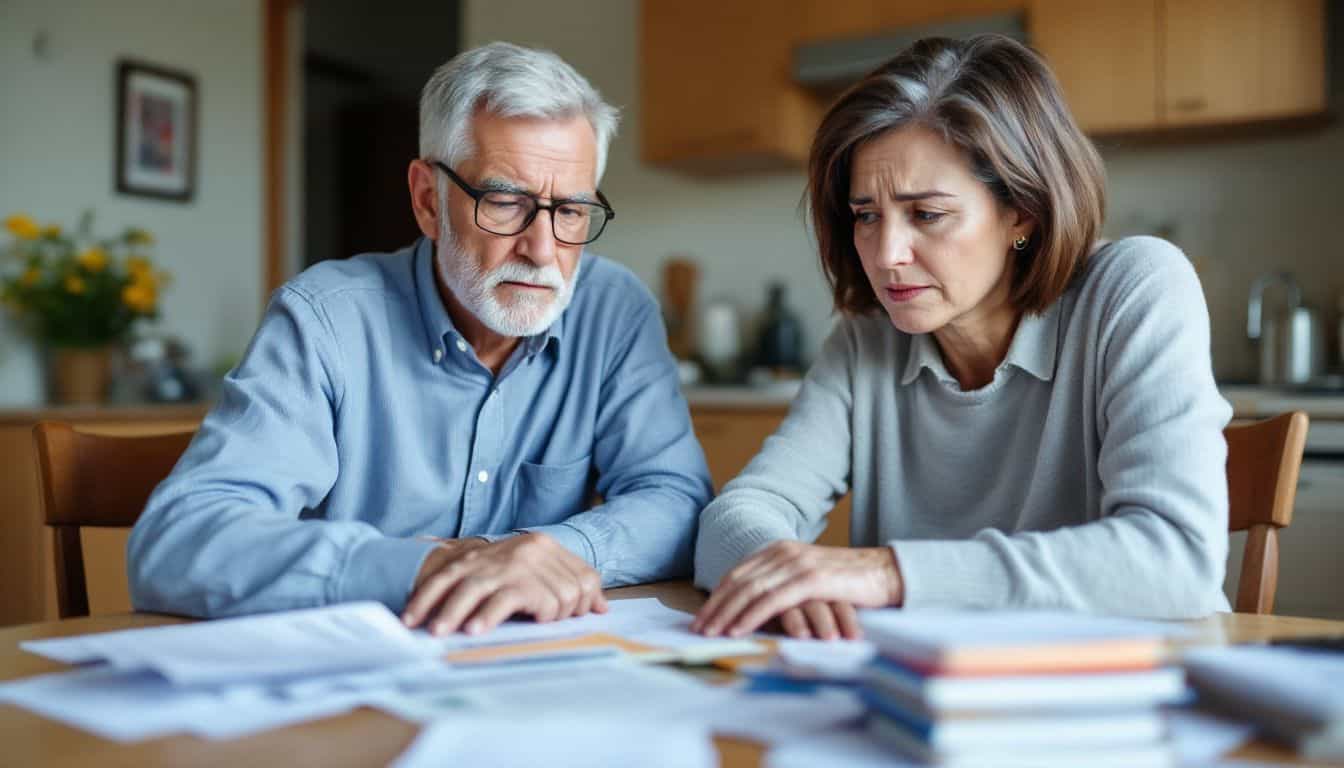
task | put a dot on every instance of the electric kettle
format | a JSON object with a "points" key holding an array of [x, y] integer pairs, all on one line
{"points": [[1292, 342]]}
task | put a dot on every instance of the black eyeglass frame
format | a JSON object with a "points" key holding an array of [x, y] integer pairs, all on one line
{"points": [[476, 194]]}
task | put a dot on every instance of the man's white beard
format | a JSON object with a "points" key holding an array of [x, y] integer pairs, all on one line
{"points": [[528, 313]]}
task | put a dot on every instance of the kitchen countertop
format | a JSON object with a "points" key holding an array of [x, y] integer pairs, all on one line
{"points": [[27, 415], [1259, 402], [777, 395], [1248, 402]]}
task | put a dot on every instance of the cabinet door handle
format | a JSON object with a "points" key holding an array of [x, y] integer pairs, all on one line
{"points": [[1193, 104]]}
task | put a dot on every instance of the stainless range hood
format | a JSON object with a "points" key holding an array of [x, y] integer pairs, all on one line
{"points": [[836, 63]]}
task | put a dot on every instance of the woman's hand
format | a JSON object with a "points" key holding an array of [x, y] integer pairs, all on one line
{"points": [[822, 620], [789, 576]]}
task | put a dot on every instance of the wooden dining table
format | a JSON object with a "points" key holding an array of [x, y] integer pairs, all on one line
{"points": [[367, 737]]}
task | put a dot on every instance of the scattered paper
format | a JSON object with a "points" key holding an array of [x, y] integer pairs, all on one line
{"points": [[776, 718], [1200, 738], [839, 660], [626, 618], [130, 705], [843, 748], [505, 740], [293, 644]]}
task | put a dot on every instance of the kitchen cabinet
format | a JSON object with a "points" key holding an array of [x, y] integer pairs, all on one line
{"points": [[732, 435], [1237, 60], [1105, 57], [717, 93], [1129, 66]]}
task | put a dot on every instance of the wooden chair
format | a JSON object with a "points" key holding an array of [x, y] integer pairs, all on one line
{"points": [[95, 481], [1263, 461]]}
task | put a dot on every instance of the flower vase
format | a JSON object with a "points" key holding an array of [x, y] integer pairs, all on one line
{"points": [[78, 375]]}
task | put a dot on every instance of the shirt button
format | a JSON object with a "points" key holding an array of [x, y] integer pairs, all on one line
{"points": [[494, 392], [438, 355], [482, 475], [461, 346]]}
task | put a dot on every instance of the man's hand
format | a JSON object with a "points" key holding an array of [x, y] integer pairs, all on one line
{"points": [[472, 585], [794, 582]]}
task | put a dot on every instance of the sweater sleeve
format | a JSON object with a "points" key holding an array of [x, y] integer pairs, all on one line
{"points": [[788, 489], [1160, 545]]}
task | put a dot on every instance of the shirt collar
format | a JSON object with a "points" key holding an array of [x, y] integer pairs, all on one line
{"points": [[438, 324], [1033, 349]]}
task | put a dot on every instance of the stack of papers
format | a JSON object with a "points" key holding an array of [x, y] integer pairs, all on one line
{"points": [[1019, 689], [1296, 695]]}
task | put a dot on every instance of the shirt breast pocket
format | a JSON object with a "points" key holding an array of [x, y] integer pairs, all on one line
{"points": [[551, 493]]}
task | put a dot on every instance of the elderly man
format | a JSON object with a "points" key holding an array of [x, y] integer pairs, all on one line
{"points": [[429, 428]]}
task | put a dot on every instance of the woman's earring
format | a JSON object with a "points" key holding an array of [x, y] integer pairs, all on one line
{"points": [[1020, 244]]}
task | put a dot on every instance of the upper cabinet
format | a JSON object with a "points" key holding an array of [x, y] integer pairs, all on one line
{"points": [[718, 92], [1239, 60], [717, 87], [1141, 65], [1105, 57]]}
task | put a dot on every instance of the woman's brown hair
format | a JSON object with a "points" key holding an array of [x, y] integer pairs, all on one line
{"points": [[997, 101]]}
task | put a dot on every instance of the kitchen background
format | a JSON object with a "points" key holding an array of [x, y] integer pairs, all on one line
{"points": [[1240, 201], [1238, 206]]}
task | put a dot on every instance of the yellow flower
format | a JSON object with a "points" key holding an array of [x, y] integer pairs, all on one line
{"points": [[138, 265], [139, 297], [138, 236], [30, 277], [51, 231], [93, 259], [22, 227], [74, 284]]}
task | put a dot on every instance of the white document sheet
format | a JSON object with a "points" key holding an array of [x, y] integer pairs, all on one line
{"points": [[840, 660], [1200, 738], [838, 748], [130, 705], [626, 618], [601, 690], [776, 718], [293, 644], [506, 740]]}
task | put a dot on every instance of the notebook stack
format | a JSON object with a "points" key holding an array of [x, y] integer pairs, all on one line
{"points": [[1019, 689]]}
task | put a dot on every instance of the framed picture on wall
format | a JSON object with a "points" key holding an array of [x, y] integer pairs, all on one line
{"points": [[156, 132]]}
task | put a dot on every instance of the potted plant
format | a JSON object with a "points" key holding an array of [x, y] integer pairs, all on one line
{"points": [[78, 296]]}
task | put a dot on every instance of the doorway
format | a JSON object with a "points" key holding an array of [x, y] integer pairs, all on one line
{"points": [[363, 67]]}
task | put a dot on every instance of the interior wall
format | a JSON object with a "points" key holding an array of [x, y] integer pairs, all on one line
{"points": [[58, 84]]}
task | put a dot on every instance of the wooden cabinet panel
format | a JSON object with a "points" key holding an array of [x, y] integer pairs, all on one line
{"points": [[1239, 60], [1105, 56], [717, 93], [1292, 60]]}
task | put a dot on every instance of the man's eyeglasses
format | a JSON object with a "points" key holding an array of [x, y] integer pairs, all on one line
{"points": [[574, 222]]}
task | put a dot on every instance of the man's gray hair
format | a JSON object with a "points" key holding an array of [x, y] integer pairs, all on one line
{"points": [[510, 81]]}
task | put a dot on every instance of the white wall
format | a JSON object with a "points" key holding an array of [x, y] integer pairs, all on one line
{"points": [[56, 136], [1240, 207]]}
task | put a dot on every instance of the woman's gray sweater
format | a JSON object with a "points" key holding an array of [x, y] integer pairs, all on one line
{"points": [[1088, 475]]}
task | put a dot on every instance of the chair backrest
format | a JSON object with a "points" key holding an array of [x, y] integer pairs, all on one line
{"points": [[95, 481], [1263, 461]]}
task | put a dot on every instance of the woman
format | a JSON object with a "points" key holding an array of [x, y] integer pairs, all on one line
{"points": [[1026, 418]]}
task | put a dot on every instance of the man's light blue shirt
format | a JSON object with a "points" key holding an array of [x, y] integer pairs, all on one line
{"points": [[359, 420]]}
